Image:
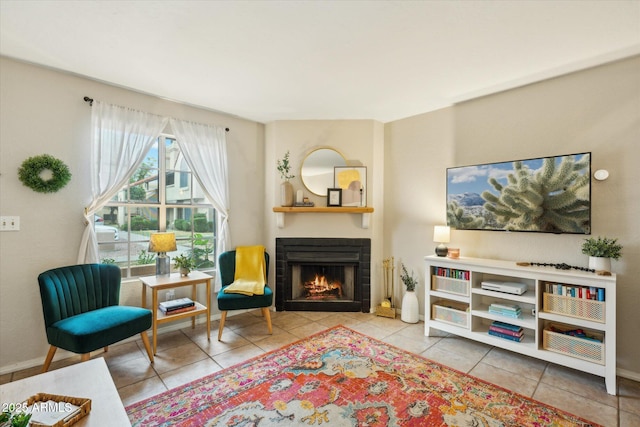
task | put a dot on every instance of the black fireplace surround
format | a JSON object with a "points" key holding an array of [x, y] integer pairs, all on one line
{"points": [[330, 252]]}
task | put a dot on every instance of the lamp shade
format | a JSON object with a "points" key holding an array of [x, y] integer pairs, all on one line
{"points": [[441, 234], [162, 242]]}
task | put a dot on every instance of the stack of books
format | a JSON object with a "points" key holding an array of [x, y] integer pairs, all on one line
{"points": [[582, 292], [506, 310], [506, 331], [176, 306]]}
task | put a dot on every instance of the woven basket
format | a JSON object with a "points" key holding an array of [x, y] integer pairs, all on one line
{"points": [[83, 403]]}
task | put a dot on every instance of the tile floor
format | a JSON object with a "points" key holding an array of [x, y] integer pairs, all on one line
{"points": [[184, 355]]}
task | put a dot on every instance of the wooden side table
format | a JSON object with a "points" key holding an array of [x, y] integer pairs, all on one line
{"points": [[175, 280]]}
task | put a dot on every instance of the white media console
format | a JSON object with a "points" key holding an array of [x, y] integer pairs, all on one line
{"points": [[558, 307]]}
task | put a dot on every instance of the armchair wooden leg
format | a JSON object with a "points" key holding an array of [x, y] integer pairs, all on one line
{"points": [[106, 348], [49, 358], [147, 346], [223, 317], [267, 315], [85, 357]]}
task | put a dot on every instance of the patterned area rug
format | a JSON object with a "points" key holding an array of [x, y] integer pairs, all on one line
{"points": [[340, 377]]}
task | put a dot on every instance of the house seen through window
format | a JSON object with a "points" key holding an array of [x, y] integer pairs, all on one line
{"points": [[161, 195]]}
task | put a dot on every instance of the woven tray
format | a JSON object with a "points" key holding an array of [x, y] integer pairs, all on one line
{"points": [[83, 403]]}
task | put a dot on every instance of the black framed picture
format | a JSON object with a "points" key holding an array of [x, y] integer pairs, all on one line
{"points": [[334, 196]]}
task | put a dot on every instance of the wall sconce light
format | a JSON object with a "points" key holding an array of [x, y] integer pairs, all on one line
{"points": [[441, 234], [162, 243], [601, 174]]}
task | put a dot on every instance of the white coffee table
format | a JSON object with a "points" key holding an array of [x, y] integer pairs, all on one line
{"points": [[90, 379]]}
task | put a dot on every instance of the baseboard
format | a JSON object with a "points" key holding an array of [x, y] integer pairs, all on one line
{"points": [[64, 354], [630, 375]]}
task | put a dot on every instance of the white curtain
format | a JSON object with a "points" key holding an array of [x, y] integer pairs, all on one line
{"points": [[120, 139], [205, 149]]}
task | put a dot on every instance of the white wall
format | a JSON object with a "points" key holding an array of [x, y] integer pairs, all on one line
{"points": [[418, 150], [595, 110], [42, 111]]}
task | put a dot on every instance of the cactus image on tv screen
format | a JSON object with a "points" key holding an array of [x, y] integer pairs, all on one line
{"points": [[547, 194]]}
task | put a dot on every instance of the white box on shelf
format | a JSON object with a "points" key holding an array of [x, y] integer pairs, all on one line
{"points": [[506, 287]]}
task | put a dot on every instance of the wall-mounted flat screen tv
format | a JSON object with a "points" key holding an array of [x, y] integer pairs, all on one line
{"points": [[547, 194]]}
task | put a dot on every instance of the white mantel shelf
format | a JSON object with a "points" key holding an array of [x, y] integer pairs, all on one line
{"points": [[281, 210]]}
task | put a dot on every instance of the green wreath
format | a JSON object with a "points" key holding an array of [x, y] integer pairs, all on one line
{"points": [[32, 168]]}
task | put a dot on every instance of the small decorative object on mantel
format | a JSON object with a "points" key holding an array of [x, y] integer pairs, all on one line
{"points": [[44, 173], [185, 264], [286, 189], [334, 196], [601, 250], [353, 181], [302, 200], [386, 308], [410, 308]]}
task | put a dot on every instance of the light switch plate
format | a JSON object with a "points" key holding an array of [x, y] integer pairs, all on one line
{"points": [[9, 223]]}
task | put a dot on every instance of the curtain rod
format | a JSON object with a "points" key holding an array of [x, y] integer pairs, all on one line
{"points": [[90, 101]]}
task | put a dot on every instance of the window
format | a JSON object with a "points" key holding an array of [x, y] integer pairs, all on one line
{"points": [[151, 202]]}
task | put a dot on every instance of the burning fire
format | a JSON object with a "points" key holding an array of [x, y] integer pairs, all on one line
{"points": [[320, 285]]}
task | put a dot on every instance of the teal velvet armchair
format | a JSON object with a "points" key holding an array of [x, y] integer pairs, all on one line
{"points": [[226, 302], [82, 312]]}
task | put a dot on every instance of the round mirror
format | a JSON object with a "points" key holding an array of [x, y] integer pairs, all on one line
{"points": [[317, 169]]}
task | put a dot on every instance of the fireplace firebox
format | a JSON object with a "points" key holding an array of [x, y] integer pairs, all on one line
{"points": [[323, 274]]}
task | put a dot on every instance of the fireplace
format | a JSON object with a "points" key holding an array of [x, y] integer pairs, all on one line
{"points": [[323, 274]]}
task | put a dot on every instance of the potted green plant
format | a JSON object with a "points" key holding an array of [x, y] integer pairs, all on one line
{"points": [[601, 250], [184, 263], [14, 419], [286, 189], [410, 307]]}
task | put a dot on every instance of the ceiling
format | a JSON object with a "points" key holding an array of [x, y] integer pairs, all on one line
{"points": [[288, 60]]}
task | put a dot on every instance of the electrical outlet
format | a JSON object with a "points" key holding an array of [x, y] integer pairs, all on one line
{"points": [[9, 223]]}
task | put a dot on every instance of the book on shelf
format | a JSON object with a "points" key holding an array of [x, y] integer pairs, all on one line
{"points": [[179, 310], [506, 331], [506, 326], [581, 292], [175, 304], [505, 336], [173, 310], [452, 273], [505, 307], [514, 314]]}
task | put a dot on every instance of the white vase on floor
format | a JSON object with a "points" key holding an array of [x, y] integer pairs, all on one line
{"points": [[600, 263], [410, 308]]}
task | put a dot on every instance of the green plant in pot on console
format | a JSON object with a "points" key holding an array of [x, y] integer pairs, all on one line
{"points": [[602, 247], [184, 263], [601, 250]]}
